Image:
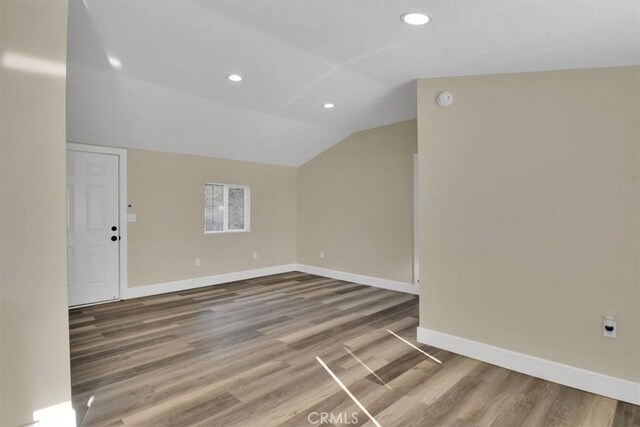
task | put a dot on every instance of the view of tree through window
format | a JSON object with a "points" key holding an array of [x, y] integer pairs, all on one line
{"points": [[226, 208], [236, 208]]}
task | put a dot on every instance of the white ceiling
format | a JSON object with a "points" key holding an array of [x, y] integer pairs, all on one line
{"points": [[172, 93]]}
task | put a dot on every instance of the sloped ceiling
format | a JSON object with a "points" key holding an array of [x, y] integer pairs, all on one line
{"points": [[172, 93]]}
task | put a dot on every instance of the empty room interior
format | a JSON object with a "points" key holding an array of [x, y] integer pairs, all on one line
{"points": [[320, 213]]}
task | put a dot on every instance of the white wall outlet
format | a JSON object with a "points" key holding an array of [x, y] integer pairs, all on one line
{"points": [[255, 255], [609, 327], [321, 254], [197, 262]]}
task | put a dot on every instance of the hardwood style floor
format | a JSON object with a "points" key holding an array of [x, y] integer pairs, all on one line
{"points": [[250, 353]]}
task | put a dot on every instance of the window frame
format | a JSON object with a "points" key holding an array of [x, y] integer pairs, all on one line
{"points": [[225, 203]]}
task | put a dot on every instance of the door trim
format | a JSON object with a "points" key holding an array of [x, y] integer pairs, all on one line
{"points": [[416, 224], [122, 204]]}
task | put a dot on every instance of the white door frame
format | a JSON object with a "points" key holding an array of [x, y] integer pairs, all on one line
{"points": [[122, 202], [416, 225]]}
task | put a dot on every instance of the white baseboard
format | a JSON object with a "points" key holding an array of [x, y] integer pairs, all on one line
{"points": [[616, 388], [198, 282], [408, 288], [58, 415]]}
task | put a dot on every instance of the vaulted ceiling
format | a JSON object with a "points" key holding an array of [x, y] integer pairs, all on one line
{"points": [[172, 92]]}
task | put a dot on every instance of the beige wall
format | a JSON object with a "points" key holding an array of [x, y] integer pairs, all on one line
{"points": [[529, 213], [34, 345], [167, 195], [355, 203]]}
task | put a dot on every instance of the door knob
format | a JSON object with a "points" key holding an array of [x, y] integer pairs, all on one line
{"points": [[114, 238], [114, 228]]}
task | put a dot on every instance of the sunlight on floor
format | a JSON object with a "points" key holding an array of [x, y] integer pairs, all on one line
{"points": [[346, 390], [408, 343], [368, 369]]}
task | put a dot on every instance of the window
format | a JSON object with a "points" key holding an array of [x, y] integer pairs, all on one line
{"points": [[226, 208]]}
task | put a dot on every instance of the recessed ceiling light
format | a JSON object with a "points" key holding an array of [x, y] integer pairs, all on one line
{"points": [[328, 105], [415, 18], [115, 62], [235, 77]]}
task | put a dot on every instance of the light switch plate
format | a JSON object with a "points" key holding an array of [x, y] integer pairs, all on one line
{"points": [[131, 217]]}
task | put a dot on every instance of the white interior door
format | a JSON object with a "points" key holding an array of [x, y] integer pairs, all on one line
{"points": [[93, 229]]}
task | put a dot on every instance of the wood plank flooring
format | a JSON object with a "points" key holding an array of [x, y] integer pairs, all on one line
{"points": [[245, 354]]}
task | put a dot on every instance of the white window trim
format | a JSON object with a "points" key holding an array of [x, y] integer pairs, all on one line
{"points": [[225, 201]]}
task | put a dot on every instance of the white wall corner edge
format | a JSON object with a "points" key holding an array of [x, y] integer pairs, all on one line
{"points": [[199, 282], [377, 282], [582, 379]]}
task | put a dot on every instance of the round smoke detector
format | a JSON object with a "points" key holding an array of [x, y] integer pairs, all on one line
{"points": [[445, 99]]}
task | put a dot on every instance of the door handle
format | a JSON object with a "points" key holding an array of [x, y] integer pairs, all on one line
{"points": [[114, 238], [114, 228]]}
